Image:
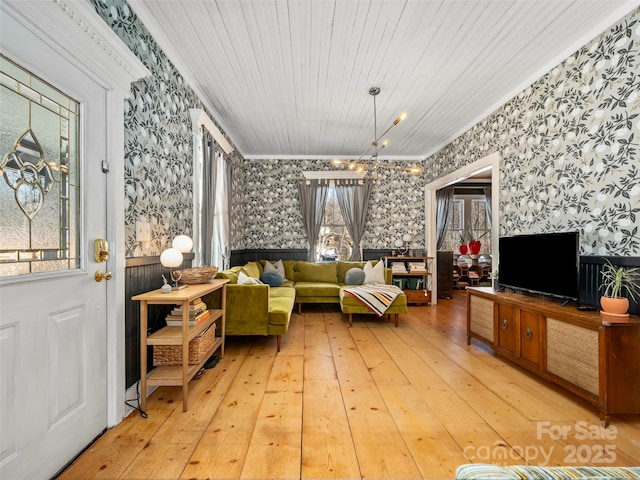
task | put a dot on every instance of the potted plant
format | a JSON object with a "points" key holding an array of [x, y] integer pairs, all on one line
{"points": [[617, 280]]}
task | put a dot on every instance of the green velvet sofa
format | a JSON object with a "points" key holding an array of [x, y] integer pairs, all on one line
{"points": [[266, 310]]}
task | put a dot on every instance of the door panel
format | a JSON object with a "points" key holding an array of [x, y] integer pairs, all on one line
{"points": [[53, 399]]}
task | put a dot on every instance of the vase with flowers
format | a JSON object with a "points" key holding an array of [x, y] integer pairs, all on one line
{"points": [[473, 244], [463, 245]]}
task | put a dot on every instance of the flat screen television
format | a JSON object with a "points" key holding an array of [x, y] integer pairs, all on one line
{"points": [[543, 263]]}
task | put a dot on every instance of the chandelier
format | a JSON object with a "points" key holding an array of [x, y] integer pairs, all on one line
{"points": [[369, 161]]}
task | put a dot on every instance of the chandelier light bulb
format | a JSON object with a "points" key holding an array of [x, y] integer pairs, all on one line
{"points": [[402, 116]]}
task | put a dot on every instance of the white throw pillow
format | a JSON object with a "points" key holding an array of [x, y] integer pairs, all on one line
{"points": [[244, 279], [277, 267], [374, 274]]}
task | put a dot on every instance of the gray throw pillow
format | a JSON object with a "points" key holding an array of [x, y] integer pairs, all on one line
{"points": [[354, 276]]}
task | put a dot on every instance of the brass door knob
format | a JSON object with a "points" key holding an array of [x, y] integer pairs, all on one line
{"points": [[100, 275]]}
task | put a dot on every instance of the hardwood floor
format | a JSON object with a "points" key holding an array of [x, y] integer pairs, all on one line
{"points": [[370, 401]]}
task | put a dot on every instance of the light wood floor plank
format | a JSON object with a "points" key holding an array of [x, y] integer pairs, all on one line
{"points": [[370, 401], [327, 445]]}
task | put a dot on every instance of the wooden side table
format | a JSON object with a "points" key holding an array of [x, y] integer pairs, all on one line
{"points": [[178, 375]]}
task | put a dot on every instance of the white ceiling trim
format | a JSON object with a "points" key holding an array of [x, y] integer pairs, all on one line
{"points": [[407, 158]]}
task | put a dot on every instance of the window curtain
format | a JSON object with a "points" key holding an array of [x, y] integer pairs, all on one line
{"points": [[215, 214], [313, 197], [444, 201], [353, 198], [487, 195], [221, 238]]}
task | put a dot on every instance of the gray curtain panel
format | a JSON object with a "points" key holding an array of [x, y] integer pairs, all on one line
{"points": [[353, 198], [208, 196], [313, 197], [444, 199]]}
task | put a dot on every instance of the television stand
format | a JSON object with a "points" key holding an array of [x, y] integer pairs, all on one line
{"points": [[592, 355]]}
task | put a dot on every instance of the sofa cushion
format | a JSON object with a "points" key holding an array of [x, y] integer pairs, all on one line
{"points": [[277, 267], [354, 276], [317, 289], [252, 269], [231, 274], [374, 273], [344, 267], [323, 272], [280, 309], [273, 279], [244, 279]]}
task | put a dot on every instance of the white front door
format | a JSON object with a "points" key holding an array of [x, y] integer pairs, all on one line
{"points": [[53, 333]]}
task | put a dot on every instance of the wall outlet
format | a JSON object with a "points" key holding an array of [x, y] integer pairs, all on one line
{"points": [[143, 231]]}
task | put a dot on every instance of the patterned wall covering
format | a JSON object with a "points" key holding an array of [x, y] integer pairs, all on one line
{"points": [[273, 218], [158, 141], [569, 146]]}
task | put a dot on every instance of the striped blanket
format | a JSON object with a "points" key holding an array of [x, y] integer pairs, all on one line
{"points": [[378, 297]]}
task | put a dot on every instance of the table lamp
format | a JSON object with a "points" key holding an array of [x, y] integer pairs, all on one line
{"points": [[172, 259]]}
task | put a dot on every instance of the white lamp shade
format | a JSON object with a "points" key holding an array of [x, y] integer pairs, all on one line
{"points": [[399, 243], [171, 258], [406, 237], [182, 243]]}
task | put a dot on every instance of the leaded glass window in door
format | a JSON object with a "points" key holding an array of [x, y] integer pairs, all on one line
{"points": [[39, 175]]}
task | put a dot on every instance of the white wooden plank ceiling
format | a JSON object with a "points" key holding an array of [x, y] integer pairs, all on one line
{"points": [[290, 79]]}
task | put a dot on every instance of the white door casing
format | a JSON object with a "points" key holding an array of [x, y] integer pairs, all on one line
{"points": [[62, 334]]}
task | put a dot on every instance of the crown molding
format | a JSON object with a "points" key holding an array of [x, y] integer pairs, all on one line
{"points": [[82, 37]]}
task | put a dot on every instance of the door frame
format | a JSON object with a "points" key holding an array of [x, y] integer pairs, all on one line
{"points": [[82, 37], [490, 161]]}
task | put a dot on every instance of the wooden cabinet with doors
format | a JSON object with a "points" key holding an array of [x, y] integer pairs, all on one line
{"points": [[592, 355]]}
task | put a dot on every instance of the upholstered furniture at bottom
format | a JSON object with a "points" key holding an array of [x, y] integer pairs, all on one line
{"points": [[481, 471], [351, 305]]}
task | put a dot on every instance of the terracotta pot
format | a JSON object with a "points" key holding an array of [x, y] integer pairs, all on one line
{"points": [[474, 247], [463, 249], [615, 306]]}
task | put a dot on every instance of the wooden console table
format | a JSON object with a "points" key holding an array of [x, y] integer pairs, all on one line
{"points": [[179, 375], [592, 355]]}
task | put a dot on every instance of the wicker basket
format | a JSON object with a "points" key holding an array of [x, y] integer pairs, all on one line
{"points": [[195, 276], [198, 347]]}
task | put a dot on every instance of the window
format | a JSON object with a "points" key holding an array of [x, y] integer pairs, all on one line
{"points": [[40, 181], [468, 210], [334, 242], [480, 223], [456, 226]]}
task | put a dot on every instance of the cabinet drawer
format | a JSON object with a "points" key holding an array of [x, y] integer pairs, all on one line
{"points": [[530, 336], [481, 317], [507, 329], [418, 296]]}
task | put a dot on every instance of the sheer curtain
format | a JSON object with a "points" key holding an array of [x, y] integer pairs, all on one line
{"points": [[444, 198], [313, 196], [487, 195], [353, 198], [215, 216]]}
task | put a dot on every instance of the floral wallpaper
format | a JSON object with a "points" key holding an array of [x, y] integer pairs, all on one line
{"points": [[273, 218], [158, 142], [570, 147]]}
